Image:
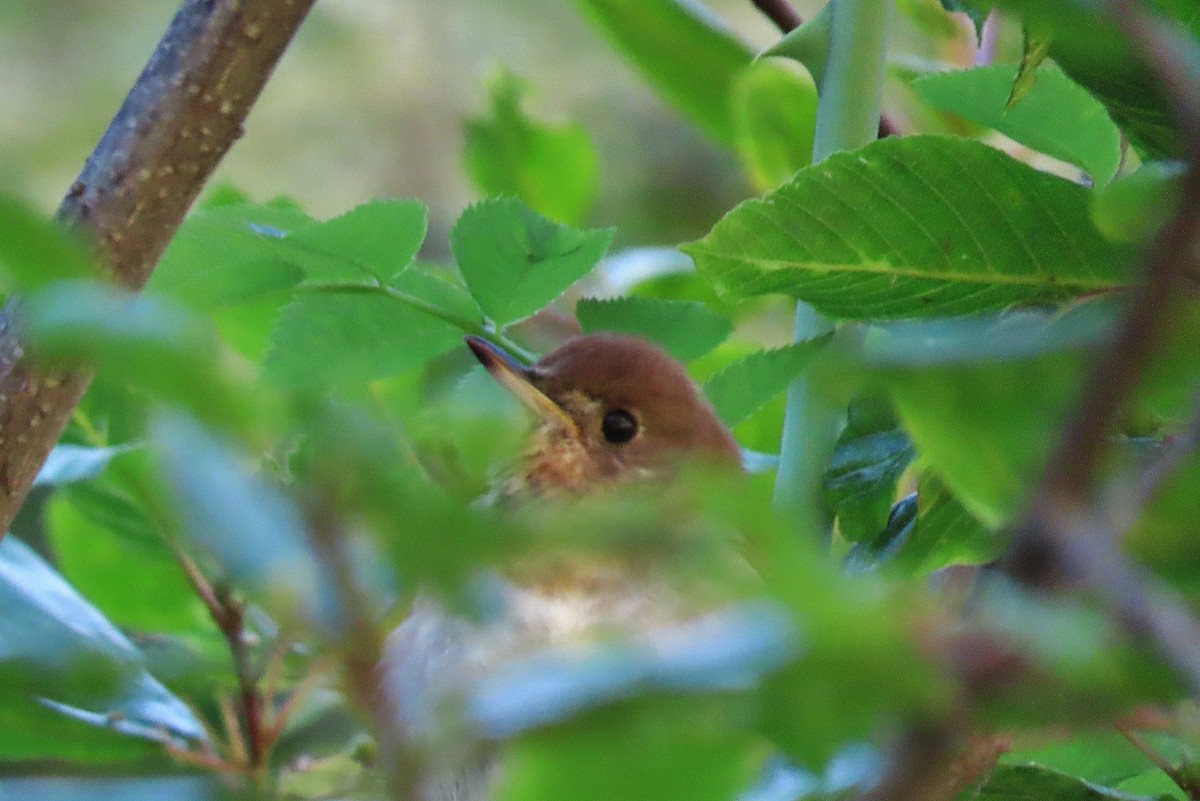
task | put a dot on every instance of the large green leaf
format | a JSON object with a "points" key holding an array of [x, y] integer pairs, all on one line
{"points": [[515, 261], [552, 167], [342, 338], [99, 534], [914, 226], [687, 330], [57, 649], [745, 386], [1025, 782], [370, 243], [982, 397], [228, 255], [1056, 117], [686, 53]]}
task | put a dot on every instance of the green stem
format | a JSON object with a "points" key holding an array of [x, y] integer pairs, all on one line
{"points": [[469, 325], [847, 118]]}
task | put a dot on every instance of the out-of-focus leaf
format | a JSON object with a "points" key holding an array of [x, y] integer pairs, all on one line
{"points": [[252, 529], [1101, 757], [746, 385], [1134, 206], [644, 750], [160, 346], [67, 464], [370, 243], [1023, 782], [551, 167], [914, 226], [515, 261], [1162, 537], [228, 255], [774, 114], [1056, 116], [683, 50], [982, 397], [808, 44], [686, 330], [871, 454], [325, 338], [140, 788], [56, 646], [35, 250], [729, 650], [99, 535]]}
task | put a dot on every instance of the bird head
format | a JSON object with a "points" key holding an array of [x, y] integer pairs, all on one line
{"points": [[608, 408]]}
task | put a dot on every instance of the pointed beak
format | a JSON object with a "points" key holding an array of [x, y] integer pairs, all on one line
{"points": [[515, 377]]}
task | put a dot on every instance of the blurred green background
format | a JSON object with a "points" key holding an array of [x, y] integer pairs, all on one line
{"points": [[370, 102]]}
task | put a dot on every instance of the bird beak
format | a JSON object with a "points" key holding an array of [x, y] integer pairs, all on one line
{"points": [[515, 377]]}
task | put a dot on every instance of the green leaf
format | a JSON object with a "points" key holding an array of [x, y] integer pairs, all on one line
{"points": [[551, 167], [640, 751], [914, 226], [432, 286], [1025, 782], [774, 114], [685, 53], [1095, 54], [1056, 117], [1036, 46], [370, 243], [342, 339], [255, 533], [748, 384], [67, 464], [982, 398], [56, 645], [99, 535], [515, 261], [36, 250], [228, 255], [687, 330], [927, 531], [872, 453], [1136, 205], [153, 342]]}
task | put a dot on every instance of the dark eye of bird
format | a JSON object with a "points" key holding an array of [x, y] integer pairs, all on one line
{"points": [[619, 426]]}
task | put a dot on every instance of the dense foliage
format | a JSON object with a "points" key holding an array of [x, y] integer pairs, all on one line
{"points": [[286, 438]]}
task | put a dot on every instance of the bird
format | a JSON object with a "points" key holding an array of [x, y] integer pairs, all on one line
{"points": [[607, 409]]}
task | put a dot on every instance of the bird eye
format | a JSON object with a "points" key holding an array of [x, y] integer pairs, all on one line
{"points": [[619, 426]]}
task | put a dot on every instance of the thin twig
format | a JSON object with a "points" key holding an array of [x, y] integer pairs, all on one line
{"points": [[362, 648], [1189, 787], [781, 13]]}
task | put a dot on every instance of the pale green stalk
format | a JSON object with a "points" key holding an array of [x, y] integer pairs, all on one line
{"points": [[847, 118]]}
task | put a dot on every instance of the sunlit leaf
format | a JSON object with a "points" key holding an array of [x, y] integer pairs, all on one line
{"points": [[515, 261], [340, 338], [1056, 116], [774, 113], [914, 226], [370, 243]]}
